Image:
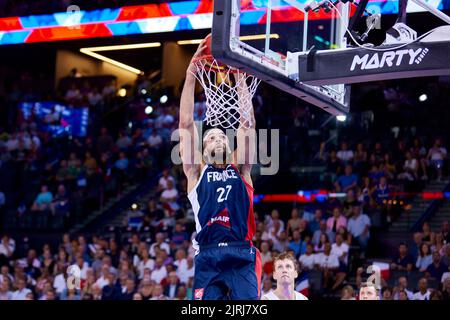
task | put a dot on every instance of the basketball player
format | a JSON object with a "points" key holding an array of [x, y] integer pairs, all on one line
{"points": [[227, 265], [285, 271], [368, 291]]}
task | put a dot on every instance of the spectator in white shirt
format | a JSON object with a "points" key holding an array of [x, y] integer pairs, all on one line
{"points": [[345, 155], [170, 196], [144, 262], [410, 167], [5, 294], [7, 246], [159, 272], [5, 276], [180, 259], [185, 273], [162, 184], [267, 286], [266, 255], [21, 292], [160, 242], [103, 281], [358, 226], [402, 286], [436, 157], [423, 293], [340, 250], [328, 263], [307, 260], [60, 283]]}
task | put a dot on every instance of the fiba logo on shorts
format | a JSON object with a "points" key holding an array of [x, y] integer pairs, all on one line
{"points": [[198, 294], [73, 277]]}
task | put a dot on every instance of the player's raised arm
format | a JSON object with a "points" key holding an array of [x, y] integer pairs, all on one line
{"points": [[245, 154], [189, 140]]}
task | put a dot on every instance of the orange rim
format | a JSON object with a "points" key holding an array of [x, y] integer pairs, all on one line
{"points": [[210, 58]]}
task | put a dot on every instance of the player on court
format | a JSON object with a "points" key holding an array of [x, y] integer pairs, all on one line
{"points": [[285, 271], [227, 265]]}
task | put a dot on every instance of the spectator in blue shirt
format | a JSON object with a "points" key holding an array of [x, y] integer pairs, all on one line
{"points": [[381, 191], [122, 162], [314, 224], [346, 181], [424, 259], [179, 235], [297, 244], [43, 199]]}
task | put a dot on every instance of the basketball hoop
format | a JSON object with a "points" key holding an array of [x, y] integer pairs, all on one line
{"points": [[228, 93]]}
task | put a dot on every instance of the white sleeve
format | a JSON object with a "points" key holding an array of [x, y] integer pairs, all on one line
{"points": [[335, 261], [367, 220]]}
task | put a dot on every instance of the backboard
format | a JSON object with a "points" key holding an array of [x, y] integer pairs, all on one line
{"points": [[265, 37]]}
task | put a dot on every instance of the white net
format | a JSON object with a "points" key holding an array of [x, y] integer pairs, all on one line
{"points": [[228, 93]]}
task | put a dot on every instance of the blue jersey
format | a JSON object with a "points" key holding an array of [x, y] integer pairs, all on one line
{"points": [[222, 202]]}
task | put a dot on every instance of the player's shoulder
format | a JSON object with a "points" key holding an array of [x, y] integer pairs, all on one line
{"points": [[299, 296]]}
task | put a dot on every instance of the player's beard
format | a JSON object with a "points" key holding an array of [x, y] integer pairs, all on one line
{"points": [[219, 157]]}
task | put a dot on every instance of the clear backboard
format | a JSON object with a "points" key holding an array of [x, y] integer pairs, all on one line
{"points": [[265, 38]]}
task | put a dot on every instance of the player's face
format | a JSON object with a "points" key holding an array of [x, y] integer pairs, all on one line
{"points": [[284, 271], [368, 293], [216, 145]]}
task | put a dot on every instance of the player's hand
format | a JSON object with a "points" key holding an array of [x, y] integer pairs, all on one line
{"points": [[198, 53]]}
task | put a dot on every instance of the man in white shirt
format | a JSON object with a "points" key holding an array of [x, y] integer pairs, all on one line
{"points": [[160, 242], [266, 255], [103, 280], [423, 293], [326, 260], [21, 292], [403, 286], [7, 246], [170, 196], [160, 271], [340, 250], [344, 154], [285, 271], [307, 260], [5, 276], [266, 287], [358, 226], [328, 263], [162, 184], [437, 155], [186, 271]]}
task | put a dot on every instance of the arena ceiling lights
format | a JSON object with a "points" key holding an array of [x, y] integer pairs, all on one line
{"points": [[153, 18], [92, 51]]}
